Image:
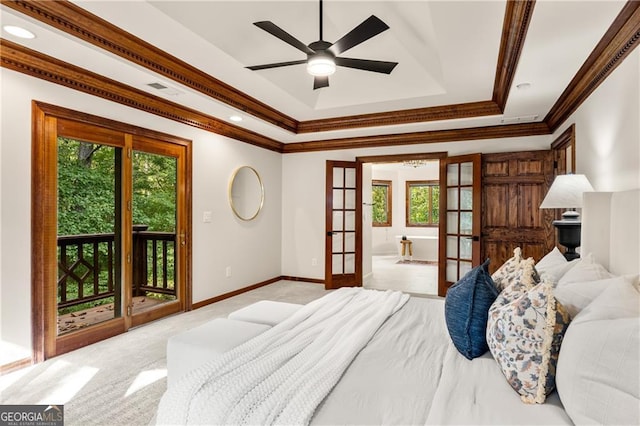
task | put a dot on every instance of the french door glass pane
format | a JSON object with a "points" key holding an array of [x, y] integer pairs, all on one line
{"points": [[466, 198], [336, 264], [338, 220], [452, 271], [466, 174], [154, 230], [338, 201], [338, 177], [452, 175], [452, 199], [452, 223], [337, 242], [349, 263], [88, 288], [466, 223], [465, 248], [350, 242], [350, 221], [452, 246], [350, 199]]}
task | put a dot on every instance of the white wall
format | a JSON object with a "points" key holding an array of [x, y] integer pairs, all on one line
{"points": [[608, 130], [383, 237], [252, 249]]}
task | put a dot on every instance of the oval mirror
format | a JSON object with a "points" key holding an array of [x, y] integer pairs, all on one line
{"points": [[246, 193]]}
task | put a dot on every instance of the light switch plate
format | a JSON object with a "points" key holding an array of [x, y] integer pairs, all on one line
{"points": [[206, 217]]}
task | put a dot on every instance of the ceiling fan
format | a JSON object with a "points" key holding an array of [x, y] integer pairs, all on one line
{"points": [[322, 56]]}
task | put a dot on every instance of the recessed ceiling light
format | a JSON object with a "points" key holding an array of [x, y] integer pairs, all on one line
{"points": [[18, 31], [523, 86], [235, 118]]}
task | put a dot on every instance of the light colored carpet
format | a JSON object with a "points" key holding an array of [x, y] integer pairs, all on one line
{"points": [[119, 381]]}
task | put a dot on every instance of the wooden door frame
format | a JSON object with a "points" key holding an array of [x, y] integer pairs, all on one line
{"points": [[393, 158], [45, 121]]}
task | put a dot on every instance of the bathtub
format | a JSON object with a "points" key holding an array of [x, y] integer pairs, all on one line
{"points": [[424, 247]]}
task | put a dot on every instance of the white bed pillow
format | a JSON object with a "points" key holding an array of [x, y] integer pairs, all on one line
{"points": [[585, 270], [598, 374], [577, 296], [554, 265]]}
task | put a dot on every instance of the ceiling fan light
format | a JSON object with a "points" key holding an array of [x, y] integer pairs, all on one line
{"points": [[321, 66]]}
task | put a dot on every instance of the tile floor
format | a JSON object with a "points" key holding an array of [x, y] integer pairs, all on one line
{"points": [[417, 279]]}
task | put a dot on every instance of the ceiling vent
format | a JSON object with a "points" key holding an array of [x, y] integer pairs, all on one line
{"points": [[167, 90], [517, 120]]}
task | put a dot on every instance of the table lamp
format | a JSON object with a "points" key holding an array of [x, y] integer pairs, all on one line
{"points": [[566, 192]]}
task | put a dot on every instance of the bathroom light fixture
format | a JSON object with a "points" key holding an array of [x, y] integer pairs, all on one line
{"points": [[19, 31], [415, 163]]}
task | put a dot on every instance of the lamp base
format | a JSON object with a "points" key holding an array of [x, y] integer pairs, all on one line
{"points": [[569, 236]]}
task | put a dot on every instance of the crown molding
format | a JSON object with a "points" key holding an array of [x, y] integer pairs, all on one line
{"points": [[27, 61], [434, 136], [389, 118], [72, 19], [613, 48], [617, 43], [76, 21]]}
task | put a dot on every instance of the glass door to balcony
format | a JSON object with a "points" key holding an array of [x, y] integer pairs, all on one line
{"points": [[156, 238], [89, 244], [110, 229], [109, 204]]}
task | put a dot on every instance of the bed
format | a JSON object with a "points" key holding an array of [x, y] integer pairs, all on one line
{"points": [[409, 371]]}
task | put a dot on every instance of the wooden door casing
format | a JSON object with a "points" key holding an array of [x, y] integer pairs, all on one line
{"points": [[514, 185]]}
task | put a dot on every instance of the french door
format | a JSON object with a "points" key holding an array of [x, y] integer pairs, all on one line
{"points": [[110, 221], [460, 199], [343, 257]]}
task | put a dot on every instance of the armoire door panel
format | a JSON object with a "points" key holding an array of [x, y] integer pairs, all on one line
{"points": [[511, 214], [530, 167], [529, 200], [496, 168], [496, 215]]}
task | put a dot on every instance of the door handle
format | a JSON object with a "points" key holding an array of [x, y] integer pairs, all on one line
{"points": [[331, 233]]}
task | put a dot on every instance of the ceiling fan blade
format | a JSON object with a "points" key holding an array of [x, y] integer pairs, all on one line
{"points": [[278, 32], [371, 27], [276, 65], [320, 82], [367, 65]]}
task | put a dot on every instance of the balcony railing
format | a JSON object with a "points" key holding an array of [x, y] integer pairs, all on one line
{"points": [[86, 266]]}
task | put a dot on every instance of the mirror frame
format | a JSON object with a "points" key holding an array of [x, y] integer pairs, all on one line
{"points": [[233, 207]]}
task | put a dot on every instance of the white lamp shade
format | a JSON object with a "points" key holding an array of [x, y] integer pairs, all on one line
{"points": [[566, 192]]}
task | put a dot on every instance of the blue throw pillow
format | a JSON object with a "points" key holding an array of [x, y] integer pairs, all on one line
{"points": [[466, 310]]}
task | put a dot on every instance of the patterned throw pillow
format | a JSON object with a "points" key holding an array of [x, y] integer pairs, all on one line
{"points": [[524, 337], [504, 275], [521, 279], [466, 308]]}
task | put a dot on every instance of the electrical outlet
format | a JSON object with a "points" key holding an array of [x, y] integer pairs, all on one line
{"points": [[314, 262], [228, 271], [206, 217]]}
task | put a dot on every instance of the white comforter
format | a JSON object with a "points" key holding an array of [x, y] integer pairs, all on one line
{"points": [[283, 374]]}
